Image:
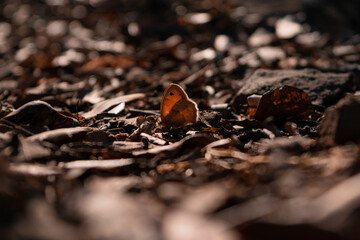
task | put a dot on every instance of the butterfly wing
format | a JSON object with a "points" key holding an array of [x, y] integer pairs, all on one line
{"points": [[173, 94], [183, 112]]}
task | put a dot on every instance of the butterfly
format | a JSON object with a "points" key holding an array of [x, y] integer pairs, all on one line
{"points": [[177, 109]]}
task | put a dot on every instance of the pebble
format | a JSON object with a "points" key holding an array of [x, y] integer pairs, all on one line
{"points": [[270, 54], [198, 18], [260, 37], [222, 43], [57, 28], [285, 28], [344, 50], [206, 54], [312, 39]]}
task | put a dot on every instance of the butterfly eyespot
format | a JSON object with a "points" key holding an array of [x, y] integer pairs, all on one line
{"points": [[171, 93]]}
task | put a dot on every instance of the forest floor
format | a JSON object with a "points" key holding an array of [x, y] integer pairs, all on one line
{"points": [[274, 153]]}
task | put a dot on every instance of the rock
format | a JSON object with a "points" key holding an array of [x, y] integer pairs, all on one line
{"points": [[198, 18], [237, 50], [312, 39], [341, 122], [251, 20], [5, 29], [206, 54], [270, 55], [222, 43], [286, 28], [249, 59], [260, 37], [56, 28], [324, 88], [344, 50]]}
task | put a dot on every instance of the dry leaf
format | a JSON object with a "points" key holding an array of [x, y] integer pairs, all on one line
{"points": [[106, 104], [283, 103]]}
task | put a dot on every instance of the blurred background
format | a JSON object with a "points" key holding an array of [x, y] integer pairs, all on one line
{"points": [[313, 32]]}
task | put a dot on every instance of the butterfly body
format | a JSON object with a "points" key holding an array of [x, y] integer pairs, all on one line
{"points": [[176, 108]]}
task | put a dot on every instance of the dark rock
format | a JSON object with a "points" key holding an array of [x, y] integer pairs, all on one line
{"points": [[341, 122], [324, 88]]}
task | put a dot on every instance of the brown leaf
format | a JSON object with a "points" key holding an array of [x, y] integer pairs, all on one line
{"points": [[100, 136], [283, 103], [37, 115], [253, 103], [39, 60], [108, 61], [167, 167]]}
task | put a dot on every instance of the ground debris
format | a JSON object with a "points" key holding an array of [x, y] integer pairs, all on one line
{"points": [[267, 147]]}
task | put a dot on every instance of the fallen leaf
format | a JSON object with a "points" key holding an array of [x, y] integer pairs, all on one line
{"points": [[193, 140], [98, 164], [108, 61], [283, 103], [106, 104], [38, 114], [153, 139], [61, 135], [37, 170]]}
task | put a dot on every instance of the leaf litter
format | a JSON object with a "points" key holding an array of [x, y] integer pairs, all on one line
{"points": [[274, 153]]}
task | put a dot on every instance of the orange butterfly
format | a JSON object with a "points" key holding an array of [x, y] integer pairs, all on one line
{"points": [[177, 109]]}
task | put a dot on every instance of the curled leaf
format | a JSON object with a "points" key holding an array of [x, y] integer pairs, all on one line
{"points": [[283, 103], [37, 115]]}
